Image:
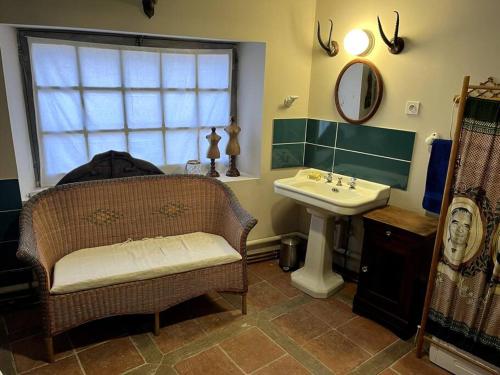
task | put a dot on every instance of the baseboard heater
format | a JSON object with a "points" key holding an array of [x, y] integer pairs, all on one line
{"points": [[267, 248]]}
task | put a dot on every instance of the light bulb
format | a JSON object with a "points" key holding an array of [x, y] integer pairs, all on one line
{"points": [[357, 42]]}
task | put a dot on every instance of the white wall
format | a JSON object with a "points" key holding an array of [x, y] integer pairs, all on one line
{"points": [[8, 168], [445, 40], [16, 109], [285, 27], [252, 58]]}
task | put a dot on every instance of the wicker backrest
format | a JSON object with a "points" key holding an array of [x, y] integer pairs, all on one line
{"points": [[75, 216]]}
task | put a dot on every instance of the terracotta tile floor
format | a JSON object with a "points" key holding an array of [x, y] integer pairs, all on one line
{"points": [[285, 332]]}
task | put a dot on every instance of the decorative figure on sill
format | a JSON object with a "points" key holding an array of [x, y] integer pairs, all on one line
{"points": [[213, 152], [149, 7], [233, 148], [331, 47], [396, 44]]}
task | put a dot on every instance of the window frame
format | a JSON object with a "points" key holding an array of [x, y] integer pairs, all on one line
{"points": [[23, 36]]}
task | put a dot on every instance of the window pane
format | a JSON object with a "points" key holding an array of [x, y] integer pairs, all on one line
{"points": [[141, 69], [214, 108], [143, 109], [180, 109], [222, 145], [213, 71], [100, 67], [104, 109], [62, 153], [181, 145], [54, 65], [147, 146], [102, 142], [179, 71], [60, 110]]}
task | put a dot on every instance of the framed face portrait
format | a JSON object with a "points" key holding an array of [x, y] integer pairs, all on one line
{"points": [[463, 232], [495, 254]]}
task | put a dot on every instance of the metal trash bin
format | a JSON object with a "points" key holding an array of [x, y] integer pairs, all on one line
{"points": [[289, 258]]}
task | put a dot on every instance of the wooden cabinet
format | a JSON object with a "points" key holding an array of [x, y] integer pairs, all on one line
{"points": [[397, 251]]}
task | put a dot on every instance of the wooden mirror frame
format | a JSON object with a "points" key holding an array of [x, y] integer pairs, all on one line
{"points": [[380, 91]]}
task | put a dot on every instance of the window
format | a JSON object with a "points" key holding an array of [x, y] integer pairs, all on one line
{"points": [[156, 102]]}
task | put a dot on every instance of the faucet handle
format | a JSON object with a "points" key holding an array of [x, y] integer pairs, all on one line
{"points": [[352, 183], [339, 181]]}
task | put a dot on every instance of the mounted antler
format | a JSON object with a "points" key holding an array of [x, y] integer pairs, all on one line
{"points": [[397, 44], [331, 47], [149, 7]]}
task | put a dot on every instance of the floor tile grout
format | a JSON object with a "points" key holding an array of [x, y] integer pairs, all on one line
{"points": [[374, 355], [238, 327], [319, 360], [4, 341], [80, 363], [150, 335], [354, 343], [262, 319], [270, 363], [230, 359], [279, 291], [293, 344], [138, 351]]}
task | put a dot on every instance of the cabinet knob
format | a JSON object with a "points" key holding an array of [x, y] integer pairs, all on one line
{"points": [[388, 233], [364, 269]]}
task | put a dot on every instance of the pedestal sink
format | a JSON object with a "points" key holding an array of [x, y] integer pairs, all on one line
{"points": [[324, 200]]}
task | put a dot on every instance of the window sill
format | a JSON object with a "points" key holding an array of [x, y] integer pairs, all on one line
{"points": [[222, 178], [242, 177]]}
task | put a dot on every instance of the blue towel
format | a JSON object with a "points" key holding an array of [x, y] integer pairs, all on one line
{"points": [[436, 175]]}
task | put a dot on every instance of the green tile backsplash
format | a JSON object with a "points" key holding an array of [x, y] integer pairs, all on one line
{"points": [[10, 197], [392, 143], [289, 130], [373, 168], [9, 225], [288, 155], [318, 157], [367, 152], [12, 270], [321, 132]]}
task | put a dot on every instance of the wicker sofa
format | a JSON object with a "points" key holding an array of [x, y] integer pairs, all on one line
{"points": [[63, 220]]}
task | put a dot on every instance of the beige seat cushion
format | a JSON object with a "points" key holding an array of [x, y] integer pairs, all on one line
{"points": [[140, 260]]}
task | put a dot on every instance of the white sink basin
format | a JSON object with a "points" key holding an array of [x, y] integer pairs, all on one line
{"points": [[340, 200], [324, 200]]}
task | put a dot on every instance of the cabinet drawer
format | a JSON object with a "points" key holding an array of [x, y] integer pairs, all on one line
{"points": [[386, 235]]}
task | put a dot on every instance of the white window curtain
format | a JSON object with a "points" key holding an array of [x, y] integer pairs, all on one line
{"points": [[158, 104]]}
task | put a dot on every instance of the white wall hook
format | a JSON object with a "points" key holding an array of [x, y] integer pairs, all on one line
{"points": [[289, 100], [431, 138]]}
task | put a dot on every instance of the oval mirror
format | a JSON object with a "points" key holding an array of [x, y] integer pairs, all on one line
{"points": [[358, 91]]}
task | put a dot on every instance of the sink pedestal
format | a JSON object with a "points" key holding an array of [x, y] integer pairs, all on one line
{"points": [[316, 278]]}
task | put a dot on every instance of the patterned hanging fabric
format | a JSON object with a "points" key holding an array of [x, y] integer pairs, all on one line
{"points": [[465, 307]]}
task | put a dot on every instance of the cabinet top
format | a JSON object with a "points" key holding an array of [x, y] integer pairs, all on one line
{"points": [[404, 219]]}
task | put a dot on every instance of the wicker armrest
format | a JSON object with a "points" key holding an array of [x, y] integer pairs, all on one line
{"points": [[236, 224], [28, 252]]}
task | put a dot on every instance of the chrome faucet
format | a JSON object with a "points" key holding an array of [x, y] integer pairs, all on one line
{"points": [[352, 183], [329, 177], [339, 181]]}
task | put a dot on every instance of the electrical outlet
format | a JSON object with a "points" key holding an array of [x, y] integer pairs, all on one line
{"points": [[412, 108]]}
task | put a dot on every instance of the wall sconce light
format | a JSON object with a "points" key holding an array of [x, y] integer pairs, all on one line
{"points": [[358, 42]]}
